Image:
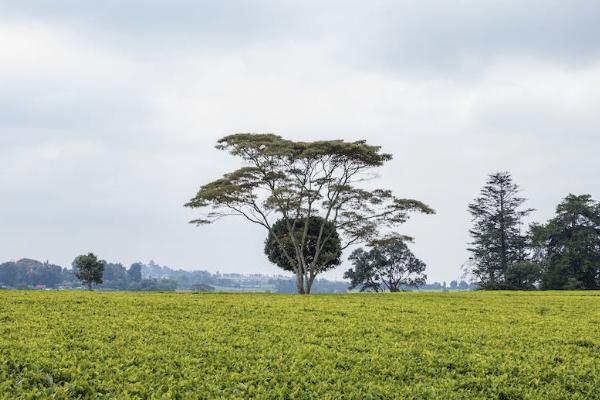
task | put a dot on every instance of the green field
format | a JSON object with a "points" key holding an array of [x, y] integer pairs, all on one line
{"points": [[503, 345]]}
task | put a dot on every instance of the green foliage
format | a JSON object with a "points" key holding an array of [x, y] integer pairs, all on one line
{"points": [[568, 246], [88, 269], [27, 273], [134, 273], [278, 244], [388, 265], [497, 239], [296, 181], [474, 345], [524, 275], [115, 276]]}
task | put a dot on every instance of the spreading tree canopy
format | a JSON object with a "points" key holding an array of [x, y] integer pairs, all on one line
{"points": [[295, 181], [388, 265], [497, 239]]}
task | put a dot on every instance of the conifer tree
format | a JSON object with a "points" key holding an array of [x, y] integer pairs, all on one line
{"points": [[497, 242]]}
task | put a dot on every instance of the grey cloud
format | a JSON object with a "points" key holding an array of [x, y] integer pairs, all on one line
{"points": [[450, 35], [105, 138], [185, 21]]}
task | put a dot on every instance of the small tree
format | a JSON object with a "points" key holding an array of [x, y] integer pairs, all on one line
{"points": [[295, 181], [88, 269], [330, 254], [388, 265], [497, 239]]}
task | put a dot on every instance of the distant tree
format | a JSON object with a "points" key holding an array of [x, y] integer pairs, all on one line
{"points": [[567, 248], [88, 269], [202, 287], [295, 181], [388, 265], [284, 286], [135, 272], [115, 276], [162, 285], [497, 239], [278, 245], [320, 286], [27, 273], [463, 285]]}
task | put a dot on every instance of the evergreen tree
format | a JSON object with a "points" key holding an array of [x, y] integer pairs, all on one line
{"points": [[497, 240], [568, 246]]}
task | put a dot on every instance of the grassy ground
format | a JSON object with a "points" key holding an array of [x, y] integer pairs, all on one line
{"points": [[504, 345]]}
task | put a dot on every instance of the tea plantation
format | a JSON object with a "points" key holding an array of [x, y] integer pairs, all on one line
{"points": [[475, 345]]}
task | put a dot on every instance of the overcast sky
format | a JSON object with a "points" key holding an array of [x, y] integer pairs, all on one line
{"points": [[109, 112]]}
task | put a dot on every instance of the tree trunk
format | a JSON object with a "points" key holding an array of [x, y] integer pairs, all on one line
{"points": [[300, 283], [309, 284], [503, 244]]}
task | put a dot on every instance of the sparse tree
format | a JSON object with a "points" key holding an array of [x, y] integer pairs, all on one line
{"points": [[388, 265], [497, 239], [88, 269], [295, 181]]}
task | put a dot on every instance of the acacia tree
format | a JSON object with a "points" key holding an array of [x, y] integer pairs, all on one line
{"points": [[388, 265], [294, 181], [88, 269], [497, 239]]}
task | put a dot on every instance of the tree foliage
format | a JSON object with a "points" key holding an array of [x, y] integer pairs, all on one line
{"points": [[88, 269], [568, 246], [331, 252], [498, 243], [295, 181], [26, 273], [388, 265], [134, 272]]}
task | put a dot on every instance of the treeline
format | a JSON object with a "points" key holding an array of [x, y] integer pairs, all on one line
{"points": [[560, 254], [33, 274], [189, 280]]}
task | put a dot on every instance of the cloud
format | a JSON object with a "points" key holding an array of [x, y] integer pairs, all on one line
{"points": [[109, 112]]}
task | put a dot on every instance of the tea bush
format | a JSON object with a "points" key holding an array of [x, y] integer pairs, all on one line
{"points": [[475, 345]]}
